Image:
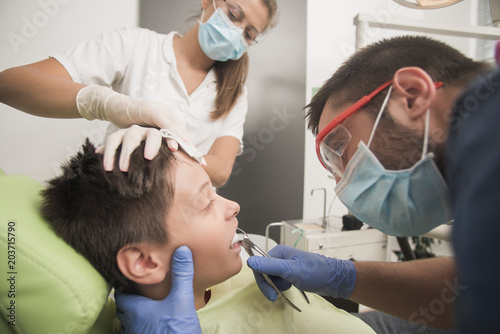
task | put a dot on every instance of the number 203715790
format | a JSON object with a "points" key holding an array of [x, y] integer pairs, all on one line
{"points": [[11, 245]]}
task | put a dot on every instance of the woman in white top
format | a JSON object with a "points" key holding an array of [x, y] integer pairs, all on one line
{"points": [[192, 85]]}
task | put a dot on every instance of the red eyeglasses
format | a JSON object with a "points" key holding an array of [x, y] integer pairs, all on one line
{"points": [[332, 141]]}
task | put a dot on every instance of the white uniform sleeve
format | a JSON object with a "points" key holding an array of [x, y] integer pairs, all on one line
{"points": [[101, 61], [235, 120]]}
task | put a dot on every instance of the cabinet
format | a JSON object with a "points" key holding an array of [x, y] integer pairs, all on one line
{"points": [[365, 244]]}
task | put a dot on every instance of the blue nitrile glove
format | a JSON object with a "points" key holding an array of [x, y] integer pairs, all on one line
{"points": [[307, 271], [174, 314]]}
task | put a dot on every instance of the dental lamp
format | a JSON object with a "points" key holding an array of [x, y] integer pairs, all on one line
{"points": [[427, 4], [434, 4]]}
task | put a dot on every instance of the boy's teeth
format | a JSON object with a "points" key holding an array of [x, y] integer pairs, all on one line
{"points": [[235, 240]]}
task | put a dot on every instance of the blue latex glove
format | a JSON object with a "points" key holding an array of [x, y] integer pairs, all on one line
{"points": [[307, 271], [174, 314]]}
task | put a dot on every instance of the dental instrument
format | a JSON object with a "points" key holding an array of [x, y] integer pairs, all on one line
{"points": [[189, 149], [250, 247]]}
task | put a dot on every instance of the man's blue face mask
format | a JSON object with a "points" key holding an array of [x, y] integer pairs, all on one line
{"points": [[405, 202], [220, 39]]}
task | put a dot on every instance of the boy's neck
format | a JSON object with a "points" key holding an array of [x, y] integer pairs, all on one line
{"points": [[160, 291]]}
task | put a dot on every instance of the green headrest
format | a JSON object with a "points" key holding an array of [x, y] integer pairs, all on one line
{"points": [[45, 286]]}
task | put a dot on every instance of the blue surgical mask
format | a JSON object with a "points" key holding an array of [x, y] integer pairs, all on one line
{"points": [[406, 202], [220, 39]]}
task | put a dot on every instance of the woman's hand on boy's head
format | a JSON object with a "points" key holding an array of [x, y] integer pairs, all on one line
{"points": [[174, 314], [130, 139]]}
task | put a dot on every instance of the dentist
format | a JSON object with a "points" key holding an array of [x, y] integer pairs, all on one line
{"points": [[191, 84], [393, 123]]}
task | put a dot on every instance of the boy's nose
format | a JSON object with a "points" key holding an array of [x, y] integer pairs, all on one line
{"points": [[233, 209]]}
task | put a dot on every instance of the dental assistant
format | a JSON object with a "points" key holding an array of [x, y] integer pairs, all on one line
{"points": [[191, 84]]}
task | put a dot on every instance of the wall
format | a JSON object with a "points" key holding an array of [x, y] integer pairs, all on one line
{"points": [[31, 30], [331, 40], [268, 178]]}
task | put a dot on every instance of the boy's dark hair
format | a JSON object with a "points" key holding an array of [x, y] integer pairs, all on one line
{"points": [[375, 64], [98, 212]]}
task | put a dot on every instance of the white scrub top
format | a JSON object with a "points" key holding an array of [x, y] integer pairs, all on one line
{"points": [[141, 63]]}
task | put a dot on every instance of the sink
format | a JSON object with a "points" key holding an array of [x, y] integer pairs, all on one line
{"points": [[308, 225], [365, 244], [333, 224]]}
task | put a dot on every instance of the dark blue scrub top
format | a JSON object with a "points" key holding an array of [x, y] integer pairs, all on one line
{"points": [[473, 176]]}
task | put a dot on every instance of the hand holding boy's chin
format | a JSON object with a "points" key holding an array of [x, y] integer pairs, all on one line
{"points": [[174, 314]]}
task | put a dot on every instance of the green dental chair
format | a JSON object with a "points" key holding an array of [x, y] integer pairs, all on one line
{"points": [[45, 286]]}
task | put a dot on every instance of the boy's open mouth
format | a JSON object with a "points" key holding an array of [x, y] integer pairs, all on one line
{"points": [[235, 241]]}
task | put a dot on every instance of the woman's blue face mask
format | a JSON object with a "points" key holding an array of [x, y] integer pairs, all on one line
{"points": [[220, 39]]}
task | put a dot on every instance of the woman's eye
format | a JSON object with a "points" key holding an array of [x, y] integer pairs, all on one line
{"points": [[232, 17], [234, 14], [250, 35], [247, 36]]}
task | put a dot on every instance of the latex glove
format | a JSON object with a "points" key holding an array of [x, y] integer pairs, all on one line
{"points": [[130, 139], [174, 314], [99, 102], [307, 271]]}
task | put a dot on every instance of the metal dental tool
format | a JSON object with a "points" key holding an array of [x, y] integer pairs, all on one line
{"points": [[250, 247], [189, 149]]}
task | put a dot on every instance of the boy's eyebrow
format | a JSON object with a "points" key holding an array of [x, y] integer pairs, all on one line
{"points": [[204, 185], [199, 197]]}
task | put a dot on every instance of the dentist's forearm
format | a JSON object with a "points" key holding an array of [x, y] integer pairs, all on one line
{"points": [[421, 291], [42, 89]]}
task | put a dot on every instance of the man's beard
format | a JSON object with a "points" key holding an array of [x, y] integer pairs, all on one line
{"points": [[398, 147]]}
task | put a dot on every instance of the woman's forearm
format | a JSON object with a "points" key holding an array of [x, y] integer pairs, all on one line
{"points": [[220, 159], [218, 169]]}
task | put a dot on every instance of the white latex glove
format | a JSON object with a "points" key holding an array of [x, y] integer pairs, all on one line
{"points": [[99, 102], [130, 139]]}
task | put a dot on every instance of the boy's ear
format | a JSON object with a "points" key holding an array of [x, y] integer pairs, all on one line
{"points": [[142, 263], [414, 91]]}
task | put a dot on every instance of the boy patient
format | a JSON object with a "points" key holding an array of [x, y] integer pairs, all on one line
{"points": [[128, 226]]}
